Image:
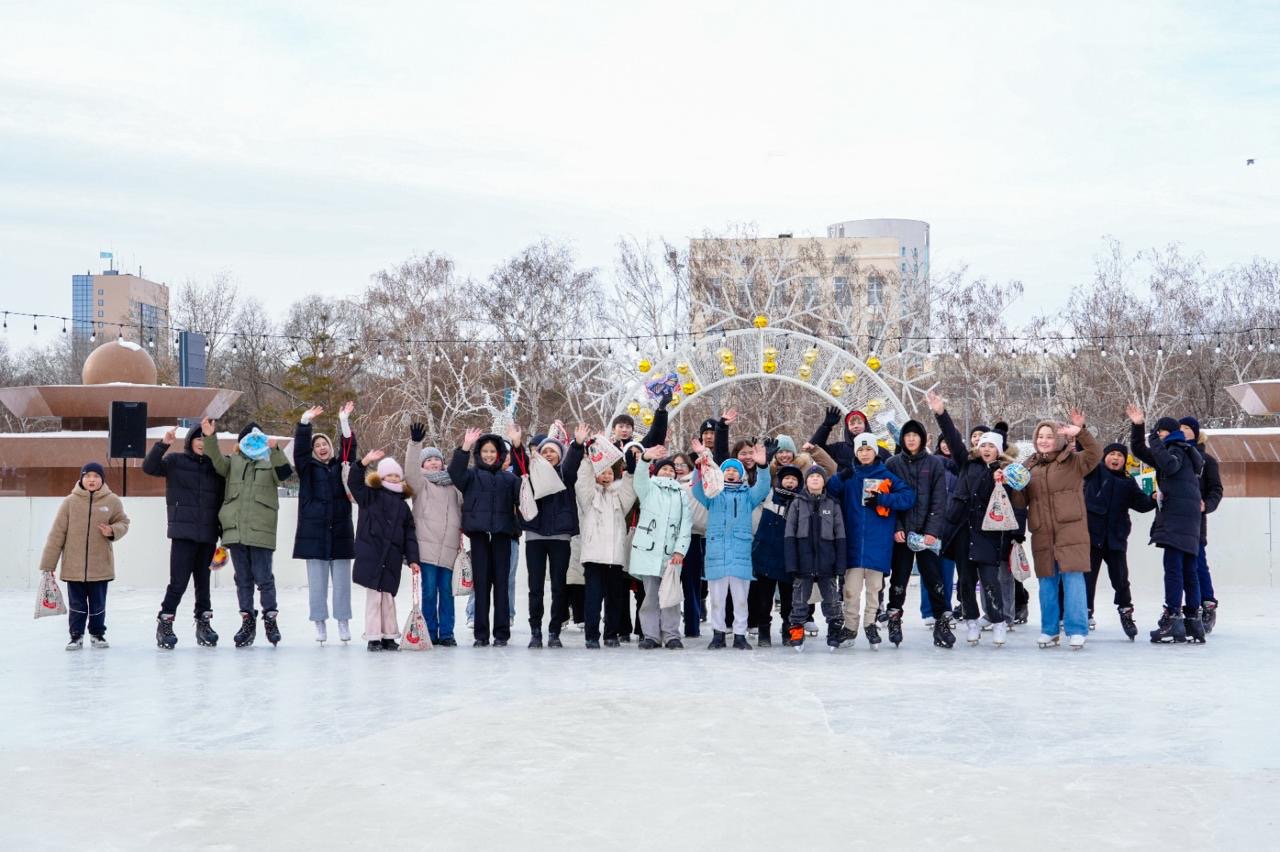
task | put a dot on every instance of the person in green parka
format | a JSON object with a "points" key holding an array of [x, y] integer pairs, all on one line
{"points": [[661, 537], [250, 507]]}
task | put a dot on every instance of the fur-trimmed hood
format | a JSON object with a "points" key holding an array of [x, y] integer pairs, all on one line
{"points": [[372, 480], [1009, 456]]}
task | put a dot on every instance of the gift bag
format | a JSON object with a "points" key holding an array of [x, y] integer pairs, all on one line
{"points": [[558, 433], [602, 454], [999, 515], [712, 476], [544, 478], [49, 596], [415, 636], [528, 504], [462, 584], [670, 592], [1019, 567]]}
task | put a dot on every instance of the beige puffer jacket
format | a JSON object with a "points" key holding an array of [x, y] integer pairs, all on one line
{"points": [[85, 552], [437, 513]]}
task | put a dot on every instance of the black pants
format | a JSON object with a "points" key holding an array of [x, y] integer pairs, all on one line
{"points": [[760, 603], [575, 595], [87, 602], [1118, 569], [992, 597], [538, 553], [691, 582], [188, 560], [607, 585], [490, 571], [637, 589], [966, 584], [930, 578], [1020, 595]]}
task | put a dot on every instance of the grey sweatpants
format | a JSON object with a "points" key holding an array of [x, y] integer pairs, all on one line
{"points": [[656, 621]]}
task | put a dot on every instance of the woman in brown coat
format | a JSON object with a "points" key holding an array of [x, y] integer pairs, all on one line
{"points": [[87, 523], [1059, 525]]}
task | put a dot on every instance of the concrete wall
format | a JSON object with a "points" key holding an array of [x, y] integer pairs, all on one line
{"points": [[1241, 549]]}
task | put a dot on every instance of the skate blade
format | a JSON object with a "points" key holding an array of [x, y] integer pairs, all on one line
{"points": [[875, 646]]}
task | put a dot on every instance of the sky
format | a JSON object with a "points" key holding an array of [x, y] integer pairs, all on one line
{"points": [[301, 147]]}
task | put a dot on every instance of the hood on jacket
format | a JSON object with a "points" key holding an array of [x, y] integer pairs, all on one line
{"points": [[372, 480], [848, 434], [80, 491], [916, 427], [192, 434], [1059, 442], [497, 442], [1010, 454]]}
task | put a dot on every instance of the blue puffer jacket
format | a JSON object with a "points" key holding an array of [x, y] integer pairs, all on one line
{"points": [[768, 558], [870, 536], [729, 526]]}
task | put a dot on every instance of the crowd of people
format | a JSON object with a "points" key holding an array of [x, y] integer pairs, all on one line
{"points": [[716, 534]]}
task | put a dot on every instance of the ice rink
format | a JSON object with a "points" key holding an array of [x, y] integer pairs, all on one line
{"points": [[1123, 745]]}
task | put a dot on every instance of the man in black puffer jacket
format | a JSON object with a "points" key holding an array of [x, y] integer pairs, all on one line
{"points": [[927, 474], [547, 539], [1110, 494], [193, 497], [1210, 497]]}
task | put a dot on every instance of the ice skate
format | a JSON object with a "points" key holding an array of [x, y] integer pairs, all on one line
{"points": [[942, 635], [984, 624], [482, 643], [1169, 629], [553, 641], [895, 627], [763, 640], [344, 631], [535, 640], [1209, 614], [999, 631], [612, 643], [1194, 625], [1076, 642], [1020, 615], [873, 636], [165, 637], [450, 642], [98, 642], [270, 628], [374, 645], [499, 643], [845, 638], [717, 640], [390, 645], [811, 628], [593, 644], [248, 630], [1046, 640], [205, 635], [974, 632], [740, 642], [1126, 622], [322, 632], [76, 643], [929, 622], [1093, 623], [795, 636]]}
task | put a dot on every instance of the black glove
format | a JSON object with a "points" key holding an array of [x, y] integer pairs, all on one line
{"points": [[770, 446], [869, 499], [1020, 538], [665, 399], [417, 431], [832, 417]]}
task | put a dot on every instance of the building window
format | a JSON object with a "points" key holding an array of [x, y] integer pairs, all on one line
{"points": [[842, 258], [99, 313], [915, 252], [904, 251], [875, 291], [100, 291], [904, 266], [842, 289], [99, 303]]}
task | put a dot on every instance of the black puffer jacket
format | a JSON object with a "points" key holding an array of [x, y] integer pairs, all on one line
{"points": [[1110, 496], [927, 474], [192, 490], [490, 493], [814, 544], [1210, 491], [1178, 465], [557, 513], [386, 539], [324, 511]]}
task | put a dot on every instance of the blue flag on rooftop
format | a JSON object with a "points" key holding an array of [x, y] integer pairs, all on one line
{"points": [[104, 255]]}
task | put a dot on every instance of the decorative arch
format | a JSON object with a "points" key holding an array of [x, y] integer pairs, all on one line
{"points": [[836, 375]]}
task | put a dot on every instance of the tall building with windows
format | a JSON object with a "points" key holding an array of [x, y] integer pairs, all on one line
{"points": [[115, 303]]}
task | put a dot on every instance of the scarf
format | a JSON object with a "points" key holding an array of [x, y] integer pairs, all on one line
{"points": [[397, 487], [438, 477]]}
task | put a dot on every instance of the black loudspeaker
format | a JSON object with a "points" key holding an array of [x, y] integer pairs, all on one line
{"points": [[128, 430]]}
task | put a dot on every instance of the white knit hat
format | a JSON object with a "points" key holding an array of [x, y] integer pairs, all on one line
{"points": [[994, 438]]}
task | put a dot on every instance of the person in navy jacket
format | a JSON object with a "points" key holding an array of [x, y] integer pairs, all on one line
{"points": [[1110, 494]]}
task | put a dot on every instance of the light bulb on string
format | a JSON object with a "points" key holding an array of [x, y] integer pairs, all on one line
{"points": [[1159, 347], [1217, 346], [34, 328], [1188, 346], [64, 326], [1271, 346], [1132, 352], [437, 356], [1104, 350], [1073, 353]]}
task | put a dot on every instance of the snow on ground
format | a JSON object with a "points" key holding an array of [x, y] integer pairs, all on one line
{"points": [[1122, 745]]}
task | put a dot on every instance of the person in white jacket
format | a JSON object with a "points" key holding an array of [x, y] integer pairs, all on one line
{"points": [[661, 539], [604, 499]]}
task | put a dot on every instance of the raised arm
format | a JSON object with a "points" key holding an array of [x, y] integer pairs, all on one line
{"points": [[823, 459], [584, 488], [154, 464], [459, 473], [822, 434], [280, 462], [720, 445], [211, 449], [657, 434], [360, 492]]}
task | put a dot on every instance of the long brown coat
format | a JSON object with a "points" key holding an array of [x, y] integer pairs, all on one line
{"points": [[1056, 514], [85, 552]]}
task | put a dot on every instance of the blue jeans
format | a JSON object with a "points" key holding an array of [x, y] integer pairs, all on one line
{"points": [[1180, 578], [1075, 615], [948, 583], [1202, 572], [437, 601]]}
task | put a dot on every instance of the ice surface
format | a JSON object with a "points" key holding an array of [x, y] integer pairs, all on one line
{"points": [[1121, 745]]}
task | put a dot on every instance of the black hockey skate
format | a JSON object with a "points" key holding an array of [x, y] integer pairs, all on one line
{"points": [[942, 635], [873, 635], [763, 640], [205, 635], [795, 636], [1169, 629], [1020, 615], [270, 628], [535, 639], [1194, 626], [895, 626], [1126, 622], [845, 638], [1209, 614], [248, 629], [165, 637]]}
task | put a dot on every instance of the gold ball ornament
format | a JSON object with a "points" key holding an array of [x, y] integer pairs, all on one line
{"points": [[770, 367], [811, 357], [805, 372], [726, 355], [874, 406], [682, 368], [647, 419], [761, 321], [633, 408], [873, 364], [770, 353], [849, 377], [689, 388], [730, 370], [675, 400], [837, 389], [646, 412], [645, 365]]}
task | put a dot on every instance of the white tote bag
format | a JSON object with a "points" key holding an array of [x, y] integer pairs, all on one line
{"points": [[415, 636], [544, 478], [670, 592], [999, 516]]}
